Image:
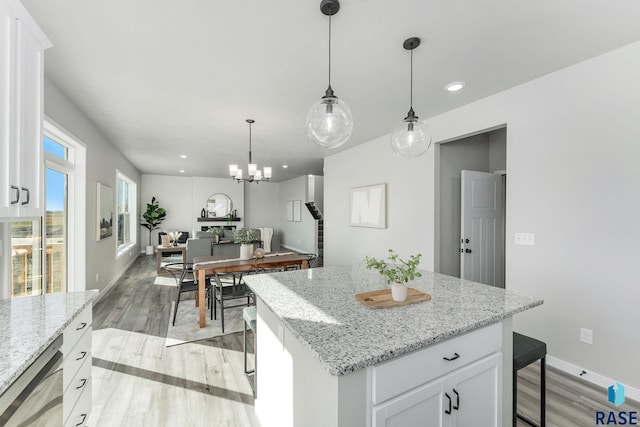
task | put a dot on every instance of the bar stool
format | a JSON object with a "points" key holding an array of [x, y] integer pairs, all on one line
{"points": [[249, 315], [527, 350]]}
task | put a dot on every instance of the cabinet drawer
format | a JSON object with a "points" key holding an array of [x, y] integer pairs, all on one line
{"points": [[82, 409], [404, 373], [79, 385], [74, 358], [76, 328]]}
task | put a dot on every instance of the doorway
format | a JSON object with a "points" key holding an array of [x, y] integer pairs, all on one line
{"points": [[483, 152]]}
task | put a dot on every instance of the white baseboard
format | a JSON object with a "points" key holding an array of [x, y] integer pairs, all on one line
{"points": [[115, 279], [592, 377], [291, 248]]}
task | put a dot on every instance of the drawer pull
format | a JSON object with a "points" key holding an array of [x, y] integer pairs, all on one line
{"points": [[17, 193], [84, 417], [82, 355], [448, 411], [449, 359], [82, 326], [83, 381], [26, 202], [457, 405]]}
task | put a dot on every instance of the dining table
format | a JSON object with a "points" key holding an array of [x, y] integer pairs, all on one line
{"points": [[221, 264]]}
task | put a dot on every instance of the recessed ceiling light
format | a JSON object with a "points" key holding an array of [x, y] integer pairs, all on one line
{"points": [[181, 171], [454, 86], [183, 156], [285, 166]]}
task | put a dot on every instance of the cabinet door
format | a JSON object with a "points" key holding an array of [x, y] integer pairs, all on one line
{"points": [[29, 82], [7, 118], [422, 407], [478, 393]]}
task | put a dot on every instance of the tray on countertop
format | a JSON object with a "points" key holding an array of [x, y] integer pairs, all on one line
{"points": [[382, 298]]}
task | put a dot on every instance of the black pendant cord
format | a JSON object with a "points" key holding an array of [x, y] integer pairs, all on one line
{"points": [[249, 145], [411, 84], [329, 50]]}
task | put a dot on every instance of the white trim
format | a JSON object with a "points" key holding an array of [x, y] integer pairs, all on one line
{"points": [[592, 377], [291, 248]]}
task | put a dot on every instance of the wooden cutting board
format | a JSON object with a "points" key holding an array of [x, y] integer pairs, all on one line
{"points": [[382, 298]]}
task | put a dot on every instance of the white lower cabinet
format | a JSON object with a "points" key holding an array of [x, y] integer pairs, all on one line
{"points": [[455, 383], [76, 348]]}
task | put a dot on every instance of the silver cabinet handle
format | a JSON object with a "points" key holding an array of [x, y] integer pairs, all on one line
{"points": [[27, 191], [17, 190]]}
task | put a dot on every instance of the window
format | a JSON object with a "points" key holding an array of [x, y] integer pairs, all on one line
{"points": [[64, 222], [126, 224]]}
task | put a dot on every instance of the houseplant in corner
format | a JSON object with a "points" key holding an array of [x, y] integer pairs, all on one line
{"points": [[397, 272], [153, 217], [244, 236]]}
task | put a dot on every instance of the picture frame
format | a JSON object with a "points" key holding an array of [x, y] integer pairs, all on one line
{"points": [[368, 206], [290, 210], [104, 211], [296, 210]]}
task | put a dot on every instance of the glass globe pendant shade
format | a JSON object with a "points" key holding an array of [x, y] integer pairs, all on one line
{"points": [[329, 122], [412, 138]]}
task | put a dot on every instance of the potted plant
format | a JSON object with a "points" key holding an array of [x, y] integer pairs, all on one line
{"points": [[217, 232], [397, 272], [244, 236], [153, 217]]}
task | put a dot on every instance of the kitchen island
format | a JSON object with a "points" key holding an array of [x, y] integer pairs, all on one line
{"points": [[325, 359], [29, 326]]}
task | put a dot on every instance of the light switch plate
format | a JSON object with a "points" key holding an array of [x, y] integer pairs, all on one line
{"points": [[586, 335], [528, 239]]}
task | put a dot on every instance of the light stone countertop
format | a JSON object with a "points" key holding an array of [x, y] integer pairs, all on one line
{"points": [[318, 306], [28, 325]]}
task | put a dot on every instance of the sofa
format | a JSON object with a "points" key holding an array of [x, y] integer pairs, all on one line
{"points": [[204, 244]]}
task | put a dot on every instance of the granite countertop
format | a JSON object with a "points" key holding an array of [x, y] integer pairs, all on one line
{"points": [[318, 306], [28, 325]]}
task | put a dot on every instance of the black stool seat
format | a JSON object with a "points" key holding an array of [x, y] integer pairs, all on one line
{"points": [[527, 350]]}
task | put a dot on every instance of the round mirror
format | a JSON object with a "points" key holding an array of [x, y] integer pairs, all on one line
{"points": [[219, 205]]}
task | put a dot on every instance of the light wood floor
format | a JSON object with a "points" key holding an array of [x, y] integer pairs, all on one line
{"points": [[137, 381]]}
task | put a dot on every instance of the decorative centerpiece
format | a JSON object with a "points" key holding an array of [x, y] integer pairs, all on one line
{"points": [[244, 236], [397, 272], [175, 235], [153, 217], [217, 232]]}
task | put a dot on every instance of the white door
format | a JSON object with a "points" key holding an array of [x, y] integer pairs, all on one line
{"points": [[482, 228]]}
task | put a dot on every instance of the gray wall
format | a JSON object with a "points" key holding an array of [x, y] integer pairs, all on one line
{"points": [[573, 180], [102, 161], [300, 236]]}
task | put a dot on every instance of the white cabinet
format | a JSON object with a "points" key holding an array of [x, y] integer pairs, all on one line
{"points": [[76, 348], [22, 45], [455, 383]]}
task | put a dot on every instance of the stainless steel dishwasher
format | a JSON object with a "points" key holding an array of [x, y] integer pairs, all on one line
{"points": [[35, 398]]}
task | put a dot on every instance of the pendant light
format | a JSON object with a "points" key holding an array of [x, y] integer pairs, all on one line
{"points": [[329, 121], [412, 138], [253, 173]]}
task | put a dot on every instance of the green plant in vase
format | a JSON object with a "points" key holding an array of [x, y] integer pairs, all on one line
{"points": [[153, 217], [244, 236], [396, 271]]}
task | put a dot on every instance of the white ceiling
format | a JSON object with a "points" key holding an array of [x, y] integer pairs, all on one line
{"points": [[164, 77]]}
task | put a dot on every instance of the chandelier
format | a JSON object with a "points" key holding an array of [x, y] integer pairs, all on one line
{"points": [[253, 173]]}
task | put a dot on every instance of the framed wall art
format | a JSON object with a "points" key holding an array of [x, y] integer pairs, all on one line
{"points": [[368, 206], [104, 226]]}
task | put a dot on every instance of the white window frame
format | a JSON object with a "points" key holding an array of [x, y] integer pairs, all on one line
{"points": [[75, 166], [133, 215]]}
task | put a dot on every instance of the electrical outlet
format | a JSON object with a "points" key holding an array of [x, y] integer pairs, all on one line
{"points": [[586, 335], [528, 239], [97, 277]]}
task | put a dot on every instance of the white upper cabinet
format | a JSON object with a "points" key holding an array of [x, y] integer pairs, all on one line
{"points": [[22, 45]]}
